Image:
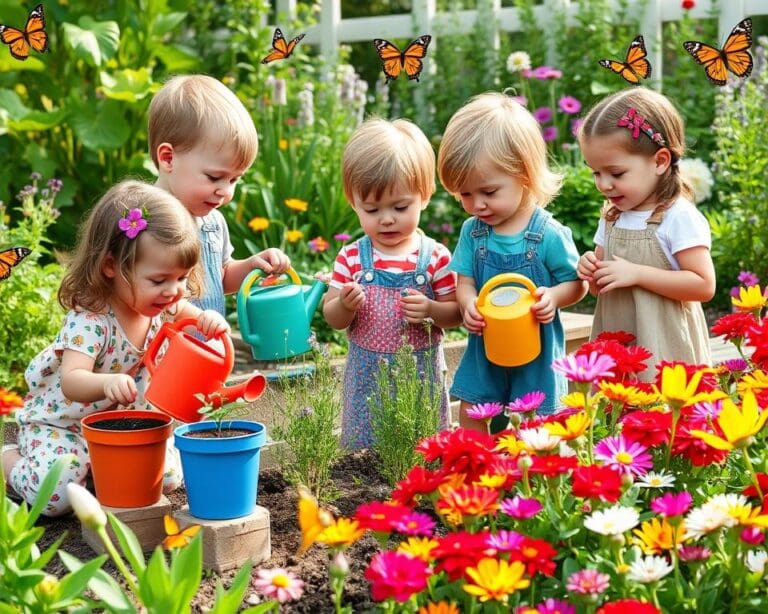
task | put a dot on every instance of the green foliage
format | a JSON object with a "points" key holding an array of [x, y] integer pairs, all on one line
{"points": [[405, 409], [308, 427], [578, 205], [740, 226], [30, 315], [215, 409]]}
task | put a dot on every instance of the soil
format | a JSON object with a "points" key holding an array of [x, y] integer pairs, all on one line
{"points": [[218, 433], [356, 480], [127, 424]]}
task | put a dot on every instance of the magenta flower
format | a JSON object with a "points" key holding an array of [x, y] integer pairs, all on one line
{"points": [[735, 364], [279, 584], [527, 402], [505, 541], [588, 582], [627, 457], [133, 223], [484, 411], [581, 368], [753, 536], [546, 72], [521, 508], [569, 104], [415, 523], [342, 236], [549, 134], [672, 504], [397, 575], [555, 606], [542, 115], [748, 278], [691, 554], [575, 125]]}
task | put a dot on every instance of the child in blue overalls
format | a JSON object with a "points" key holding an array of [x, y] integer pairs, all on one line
{"points": [[493, 157], [393, 285]]}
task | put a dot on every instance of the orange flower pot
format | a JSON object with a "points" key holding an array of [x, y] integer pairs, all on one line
{"points": [[128, 462]]}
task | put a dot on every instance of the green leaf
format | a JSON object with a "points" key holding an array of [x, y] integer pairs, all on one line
{"points": [[92, 41], [12, 104], [187, 568], [162, 24], [101, 125], [40, 159], [129, 85], [155, 584], [103, 585], [129, 544], [8, 63], [75, 582], [229, 601], [38, 120], [177, 58], [46, 490]]}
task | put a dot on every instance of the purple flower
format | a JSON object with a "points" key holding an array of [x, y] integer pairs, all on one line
{"points": [[55, 184], [546, 72], [446, 227], [484, 411], [35, 176], [521, 100], [342, 236], [582, 368], [549, 133], [555, 606], [735, 364], [543, 115], [569, 104], [748, 278], [521, 508], [505, 541], [623, 455], [527, 402], [132, 224], [575, 125], [734, 291], [672, 504], [707, 410]]}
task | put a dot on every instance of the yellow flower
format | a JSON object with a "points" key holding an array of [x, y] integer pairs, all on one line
{"points": [[575, 426], [441, 607], [258, 224], [739, 424], [419, 547], [512, 445], [750, 299], [495, 579], [283, 144], [574, 400], [293, 236], [312, 519], [755, 381], [491, 480], [296, 204], [343, 532], [676, 390], [654, 537]]}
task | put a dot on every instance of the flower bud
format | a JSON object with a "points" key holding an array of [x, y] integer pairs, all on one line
{"points": [[86, 507], [48, 589], [525, 462], [339, 567]]}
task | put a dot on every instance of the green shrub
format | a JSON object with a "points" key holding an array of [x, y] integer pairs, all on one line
{"points": [[578, 204]]}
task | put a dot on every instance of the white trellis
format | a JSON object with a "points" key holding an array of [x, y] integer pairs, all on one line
{"points": [[331, 30]]}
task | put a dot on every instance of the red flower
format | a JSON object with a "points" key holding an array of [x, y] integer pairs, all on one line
{"points": [[733, 325], [537, 554], [757, 337], [461, 451], [9, 401], [396, 575], [620, 336], [380, 516], [751, 491], [623, 606], [629, 359], [595, 482], [419, 481], [651, 428], [693, 448], [460, 550], [553, 464], [708, 381]]}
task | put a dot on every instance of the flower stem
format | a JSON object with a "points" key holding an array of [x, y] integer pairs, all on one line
{"points": [[751, 470], [673, 432], [118, 560]]}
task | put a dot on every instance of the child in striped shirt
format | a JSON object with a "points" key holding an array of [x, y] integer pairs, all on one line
{"points": [[393, 285]]}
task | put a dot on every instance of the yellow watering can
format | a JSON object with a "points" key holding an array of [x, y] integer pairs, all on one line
{"points": [[511, 334]]}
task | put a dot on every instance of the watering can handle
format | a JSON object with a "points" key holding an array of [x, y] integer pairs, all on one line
{"points": [[255, 274], [169, 329], [500, 280]]}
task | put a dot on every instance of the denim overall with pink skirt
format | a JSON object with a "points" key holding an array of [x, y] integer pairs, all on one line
{"points": [[377, 332]]}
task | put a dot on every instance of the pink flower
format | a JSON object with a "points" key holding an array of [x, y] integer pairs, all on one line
{"points": [[588, 582], [279, 584], [505, 541], [527, 402], [396, 575], [342, 236], [318, 245], [569, 104], [543, 115], [555, 606], [575, 125], [521, 508], [484, 411], [672, 504], [133, 223], [691, 554], [627, 457], [549, 134], [415, 523], [546, 72], [753, 536], [585, 368]]}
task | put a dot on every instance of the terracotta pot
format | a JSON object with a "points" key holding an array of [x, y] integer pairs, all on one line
{"points": [[127, 464]]}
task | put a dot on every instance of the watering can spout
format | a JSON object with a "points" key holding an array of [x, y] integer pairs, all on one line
{"points": [[250, 390], [312, 296]]}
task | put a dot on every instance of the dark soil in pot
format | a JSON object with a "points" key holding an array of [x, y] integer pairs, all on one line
{"points": [[218, 434], [127, 424]]}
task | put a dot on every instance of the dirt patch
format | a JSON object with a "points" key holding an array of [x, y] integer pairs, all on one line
{"points": [[356, 480]]}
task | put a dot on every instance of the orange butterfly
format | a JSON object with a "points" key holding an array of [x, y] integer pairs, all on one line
{"points": [[9, 258], [177, 538], [734, 55], [393, 61], [635, 66], [280, 48], [34, 35], [313, 520]]}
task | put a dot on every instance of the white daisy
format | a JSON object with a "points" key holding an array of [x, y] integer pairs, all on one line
{"points": [[756, 560], [518, 61], [649, 569], [612, 520], [655, 479], [539, 439], [704, 520]]}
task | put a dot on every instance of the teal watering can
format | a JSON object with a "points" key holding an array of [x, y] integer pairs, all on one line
{"points": [[274, 320]]}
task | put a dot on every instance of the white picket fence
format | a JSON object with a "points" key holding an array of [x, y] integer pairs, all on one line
{"points": [[332, 30]]}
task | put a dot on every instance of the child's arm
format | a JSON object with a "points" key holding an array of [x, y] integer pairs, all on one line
{"points": [[80, 384], [695, 281], [557, 297], [272, 261], [444, 309], [341, 304], [587, 267], [209, 322], [466, 295]]}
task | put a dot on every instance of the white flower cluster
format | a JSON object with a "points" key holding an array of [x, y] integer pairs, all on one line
{"points": [[697, 174], [518, 61]]}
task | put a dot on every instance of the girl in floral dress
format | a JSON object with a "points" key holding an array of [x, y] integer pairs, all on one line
{"points": [[137, 253]]}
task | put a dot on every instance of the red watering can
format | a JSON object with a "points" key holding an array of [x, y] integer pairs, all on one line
{"points": [[191, 367]]}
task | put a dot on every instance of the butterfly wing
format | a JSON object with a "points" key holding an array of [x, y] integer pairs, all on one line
{"points": [[17, 44], [35, 32], [735, 50], [635, 67], [390, 56], [710, 58], [413, 54], [279, 48], [293, 44], [312, 519], [9, 258]]}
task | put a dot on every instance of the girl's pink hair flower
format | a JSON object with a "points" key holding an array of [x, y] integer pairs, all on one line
{"points": [[132, 223]]}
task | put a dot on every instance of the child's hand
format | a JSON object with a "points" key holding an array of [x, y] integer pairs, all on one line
{"points": [[352, 296], [616, 273], [211, 323], [120, 388], [473, 321], [415, 306], [587, 266], [272, 261], [545, 308]]}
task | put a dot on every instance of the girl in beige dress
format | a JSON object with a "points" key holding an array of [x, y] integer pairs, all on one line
{"points": [[652, 267]]}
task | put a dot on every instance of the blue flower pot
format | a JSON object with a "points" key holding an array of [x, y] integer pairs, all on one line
{"points": [[221, 474]]}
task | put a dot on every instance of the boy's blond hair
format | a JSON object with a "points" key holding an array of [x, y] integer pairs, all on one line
{"points": [[382, 155], [168, 222], [493, 128], [190, 108]]}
